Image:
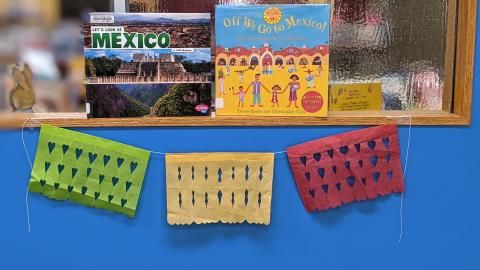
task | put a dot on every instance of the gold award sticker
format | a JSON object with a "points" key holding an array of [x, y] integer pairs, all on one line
{"points": [[272, 15]]}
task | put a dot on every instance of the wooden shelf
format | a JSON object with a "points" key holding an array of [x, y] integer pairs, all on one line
{"points": [[430, 118]]}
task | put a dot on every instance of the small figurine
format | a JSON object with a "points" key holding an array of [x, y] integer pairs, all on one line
{"points": [[22, 97]]}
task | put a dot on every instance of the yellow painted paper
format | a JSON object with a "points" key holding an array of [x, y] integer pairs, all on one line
{"points": [[219, 187], [356, 97]]}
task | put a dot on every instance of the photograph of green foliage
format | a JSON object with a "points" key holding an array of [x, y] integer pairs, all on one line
{"points": [[149, 100]]}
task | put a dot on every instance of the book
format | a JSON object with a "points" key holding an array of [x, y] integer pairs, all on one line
{"points": [[155, 64], [356, 96], [272, 60]]}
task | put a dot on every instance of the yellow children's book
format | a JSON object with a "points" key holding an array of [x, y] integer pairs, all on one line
{"points": [[272, 60]]}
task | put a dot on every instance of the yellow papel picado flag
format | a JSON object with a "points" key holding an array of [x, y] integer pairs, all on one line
{"points": [[219, 187]]}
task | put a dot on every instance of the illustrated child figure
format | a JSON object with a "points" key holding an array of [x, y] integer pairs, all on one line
{"points": [[241, 96], [320, 69], [221, 85], [310, 79], [276, 90], [257, 85], [293, 68], [294, 87], [240, 76], [227, 68]]}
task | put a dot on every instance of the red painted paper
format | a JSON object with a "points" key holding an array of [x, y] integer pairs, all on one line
{"points": [[353, 166]]}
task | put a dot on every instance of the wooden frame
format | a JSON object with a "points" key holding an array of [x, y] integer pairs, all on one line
{"points": [[460, 47]]}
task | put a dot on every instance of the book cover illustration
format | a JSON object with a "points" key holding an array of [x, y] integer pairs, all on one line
{"points": [[206, 6], [154, 64], [272, 60]]}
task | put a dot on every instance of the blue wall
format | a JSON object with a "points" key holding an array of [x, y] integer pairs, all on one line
{"points": [[441, 226]]}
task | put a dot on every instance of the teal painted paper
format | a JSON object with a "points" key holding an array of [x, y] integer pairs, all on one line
{"points": [[88, 170]]}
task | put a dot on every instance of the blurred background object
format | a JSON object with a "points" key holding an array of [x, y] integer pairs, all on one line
{"points": [[46, 34]]}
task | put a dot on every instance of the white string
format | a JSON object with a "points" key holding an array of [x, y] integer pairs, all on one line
{"points": [[31, 167], [165, 153], [405, 177], [400, 237], [404, 171]]}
